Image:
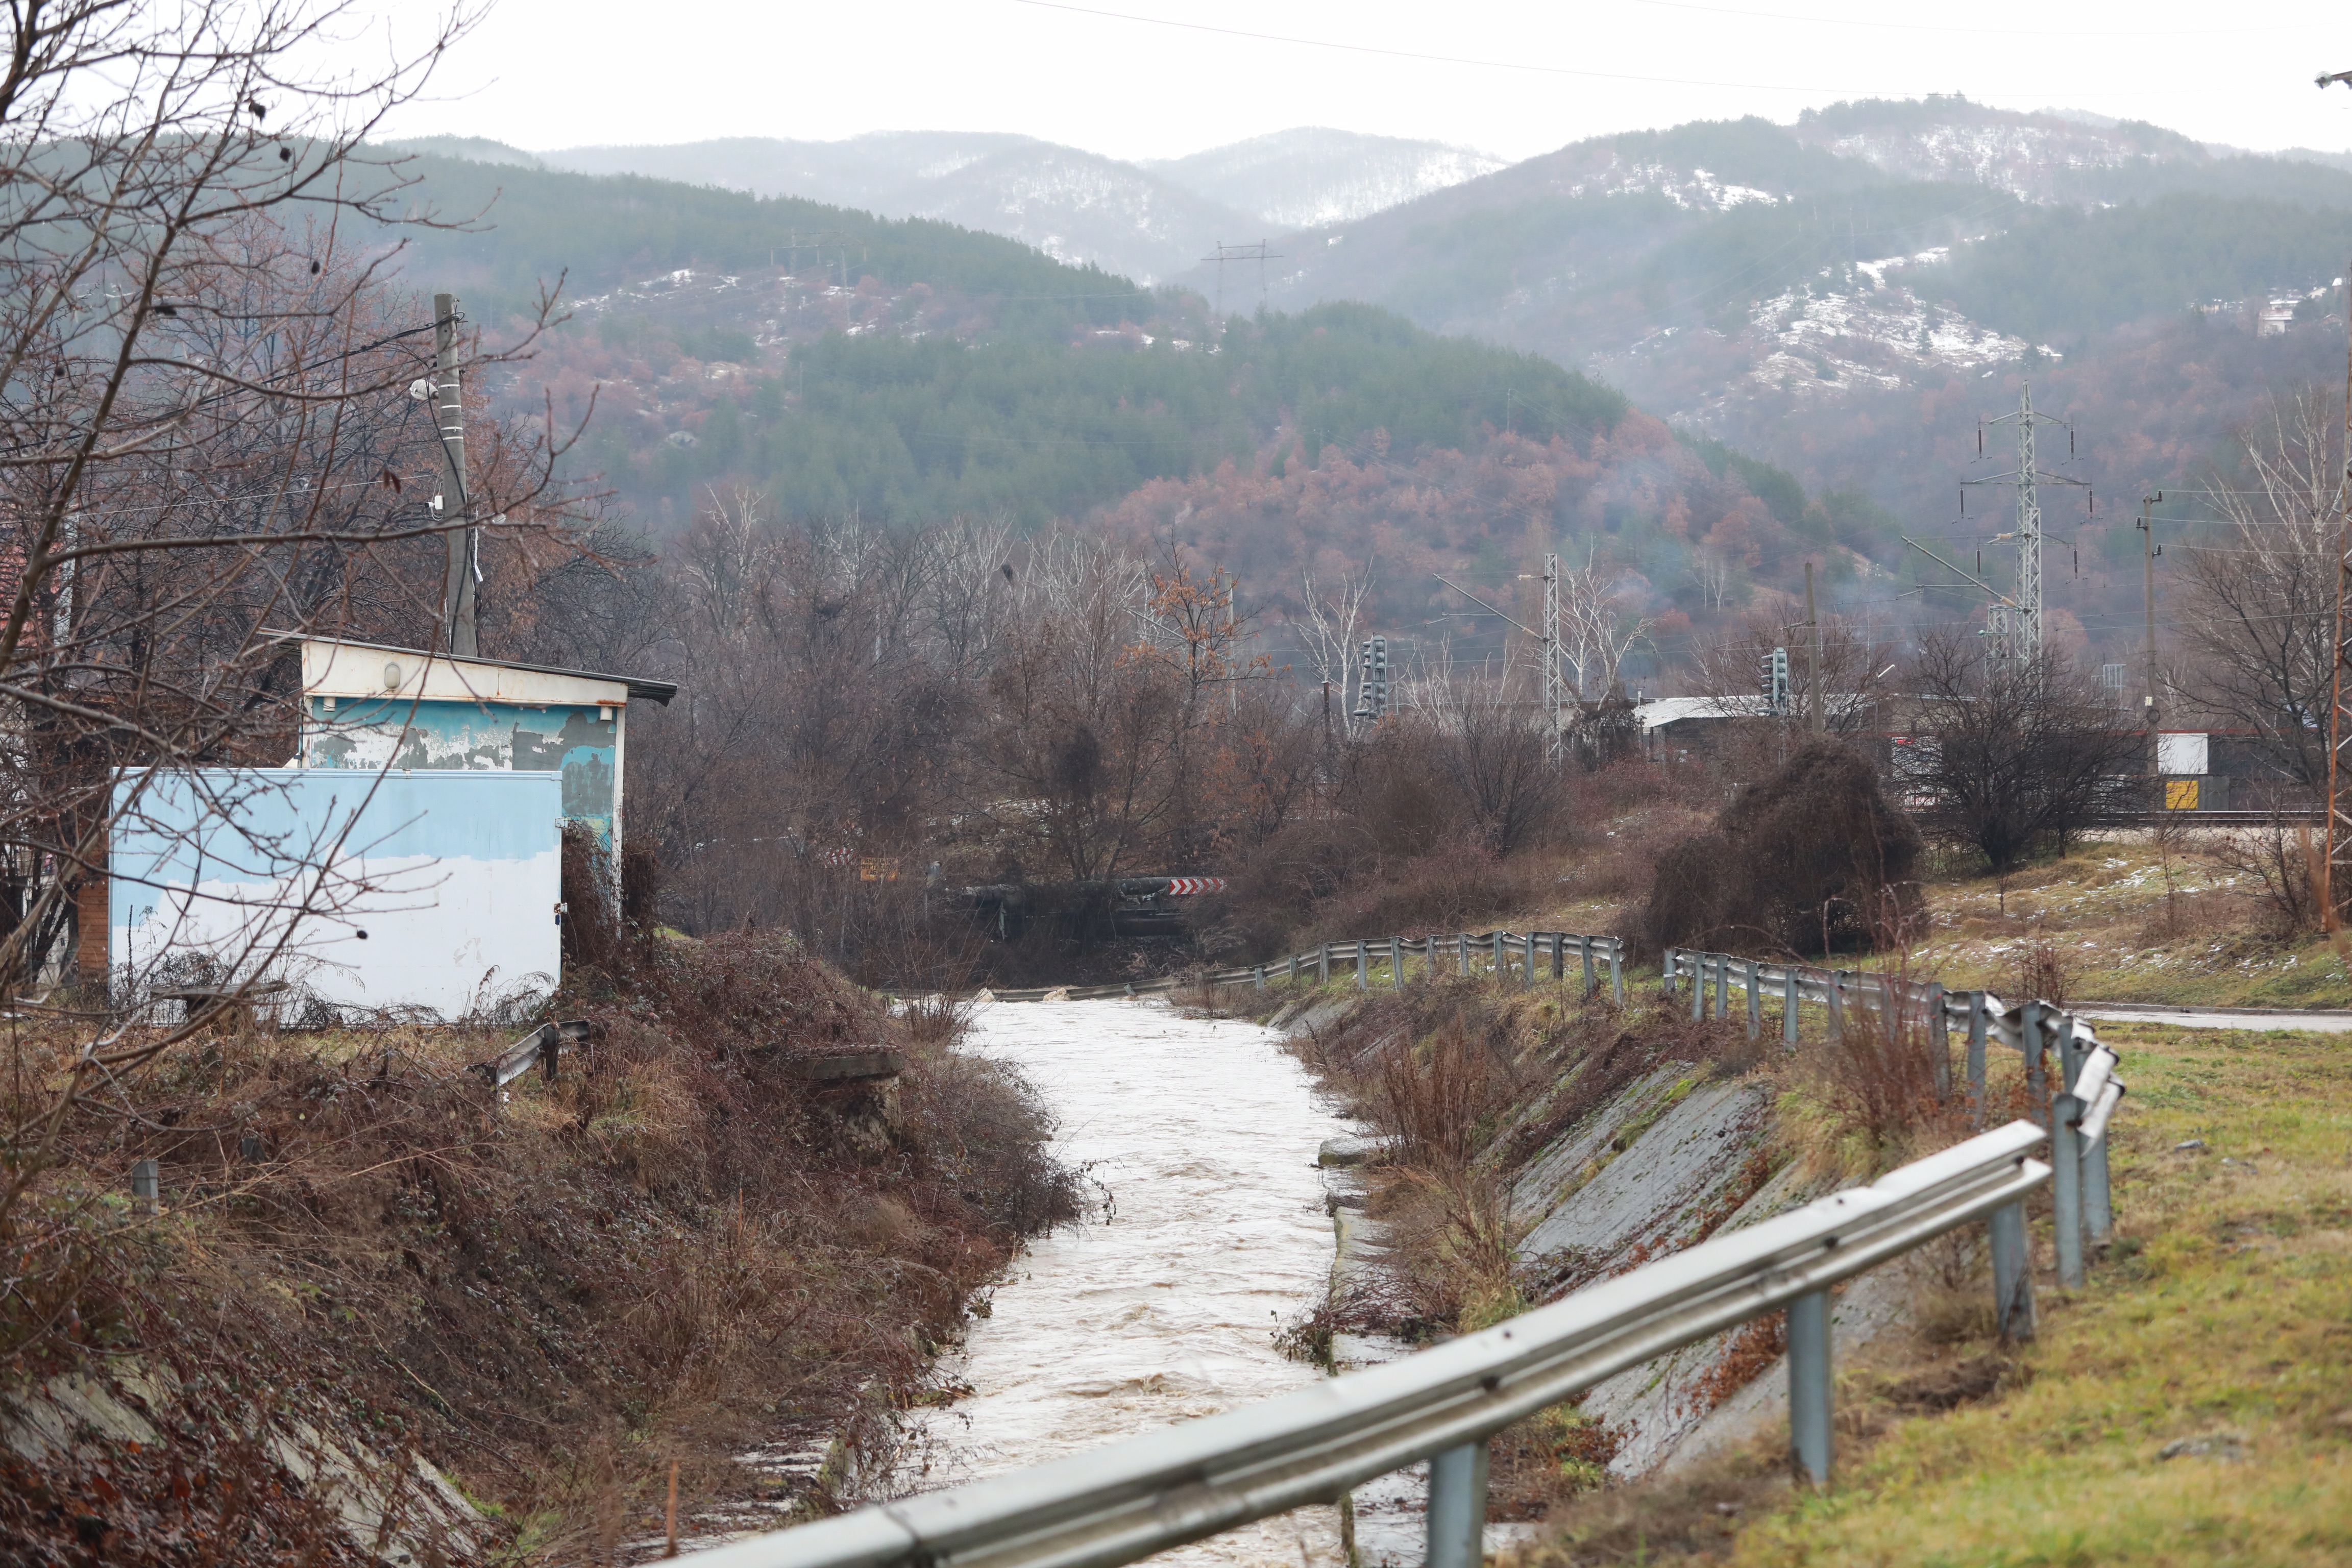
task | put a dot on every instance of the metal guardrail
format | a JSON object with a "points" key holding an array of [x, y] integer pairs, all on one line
{"points": [[1123, 1502], [2088, 1097], [1118, 1504], [1507, 954], [540, 1048]]}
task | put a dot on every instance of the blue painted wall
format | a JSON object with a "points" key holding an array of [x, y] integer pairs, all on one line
{"points": [[439, 892], [473, 737]]}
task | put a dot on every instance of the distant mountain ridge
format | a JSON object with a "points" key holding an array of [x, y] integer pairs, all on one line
{"points": [[1748, 277], [1147, 221], [1311, 175]]}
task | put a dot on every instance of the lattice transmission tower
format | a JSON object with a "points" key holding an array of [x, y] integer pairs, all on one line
{"points": [[1258, 252], [2014, 623], [1556, 695]]}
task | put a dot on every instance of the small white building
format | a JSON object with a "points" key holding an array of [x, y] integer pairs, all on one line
{"points": [[374, 706]]}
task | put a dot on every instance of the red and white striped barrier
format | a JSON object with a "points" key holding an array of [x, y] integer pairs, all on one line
{"points": [[1196, 884]]}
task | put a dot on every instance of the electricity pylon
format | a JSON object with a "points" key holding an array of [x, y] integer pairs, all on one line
{"points": [[2015, 629], [1555, 678]]}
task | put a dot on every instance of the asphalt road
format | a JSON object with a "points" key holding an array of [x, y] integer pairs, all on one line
{"points": [[2325, 1022]]}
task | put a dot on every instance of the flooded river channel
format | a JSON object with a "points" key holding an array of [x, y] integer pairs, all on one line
{"points": [[1206, 1231]]}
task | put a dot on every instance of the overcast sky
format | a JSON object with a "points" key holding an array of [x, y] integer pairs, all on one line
{"points": [[1520, 79]]}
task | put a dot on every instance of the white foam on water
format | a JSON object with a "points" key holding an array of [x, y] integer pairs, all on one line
{"points": [[1207, 1232]]}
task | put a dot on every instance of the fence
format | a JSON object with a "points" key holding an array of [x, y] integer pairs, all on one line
{"points": [[1505, 954], [2089, 1091], [1124, 1502]]}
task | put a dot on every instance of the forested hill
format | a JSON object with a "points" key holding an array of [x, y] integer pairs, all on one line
{"points": [[956, 373], [504, 229]]}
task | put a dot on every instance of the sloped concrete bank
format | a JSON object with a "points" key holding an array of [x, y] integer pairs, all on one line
{"points": [[1621, 1136]]}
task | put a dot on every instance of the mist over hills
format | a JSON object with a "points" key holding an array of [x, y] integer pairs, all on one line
{"points": [[1805, 291], [1823, 311], [1311, 175], [1147, 221]]}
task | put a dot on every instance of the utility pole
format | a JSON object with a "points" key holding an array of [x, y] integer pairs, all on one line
{"points": [[2338, 830], [2016, 628], [464, 568], [2148, 554], [1816, 699]]}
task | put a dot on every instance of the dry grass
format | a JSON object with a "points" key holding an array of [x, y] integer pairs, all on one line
{"points": [[2214, 1331], [2192, 1405], [676, 1247]]}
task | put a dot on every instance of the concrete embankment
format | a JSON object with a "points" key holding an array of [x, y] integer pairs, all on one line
{"points": [[1604, 1166]]}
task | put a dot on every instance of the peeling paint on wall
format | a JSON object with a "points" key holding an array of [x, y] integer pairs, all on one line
{"points": [[473, 737]]}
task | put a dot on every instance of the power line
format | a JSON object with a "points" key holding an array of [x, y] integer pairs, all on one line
{"points": [[1488, 64], [1930, 27]]}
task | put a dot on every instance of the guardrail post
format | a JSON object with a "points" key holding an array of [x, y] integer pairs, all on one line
{"points": [[2029, 1040], [1559, 957], [2012, 1272], [1723, 985], [146, 1186], [1755, 1000], [1809, 1387], [1698, 985], [1939, 1040], [1789, 982], [1495, 962], [1462, 954], [1584, 951], [1323, 964], [1457, 1507], [1977, 1026], [1261, 977], [2066, 1159], [1666, 973], [2098, 1213], [1837, 1005], [2066, 1189], [1396, 963], [1617, 970], [1363, 964], [2098, 1203]]}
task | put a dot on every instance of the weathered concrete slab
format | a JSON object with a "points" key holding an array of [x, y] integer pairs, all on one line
{"points": [[1578, 1155], [1669, 1186]]}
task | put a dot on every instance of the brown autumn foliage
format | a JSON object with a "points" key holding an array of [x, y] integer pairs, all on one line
{"points": [[1814, 859], [674, 1248]]}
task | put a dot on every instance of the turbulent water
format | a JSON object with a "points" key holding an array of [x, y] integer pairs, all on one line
{"points": [[1207, 1230]]}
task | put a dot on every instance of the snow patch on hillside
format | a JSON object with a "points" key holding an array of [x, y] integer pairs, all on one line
{"points": [[1312, 176], [2027, 160], [1698, 190], [1815, 339]]}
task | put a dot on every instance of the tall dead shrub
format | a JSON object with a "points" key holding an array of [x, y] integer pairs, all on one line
{"points": [[2283, 859], [1433, 1102], [1814, 859]]}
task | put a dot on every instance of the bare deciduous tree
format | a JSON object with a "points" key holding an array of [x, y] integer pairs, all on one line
{"points": [[2013, 755], [2256, 624], [205, 435]]}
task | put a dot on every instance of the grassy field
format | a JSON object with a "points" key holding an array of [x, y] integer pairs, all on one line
{"points": [[2192, 1405], [2130, 921]]}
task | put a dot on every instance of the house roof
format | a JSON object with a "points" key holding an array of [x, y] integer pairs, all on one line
{"points": [[660, 691], [1666, 711]]}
